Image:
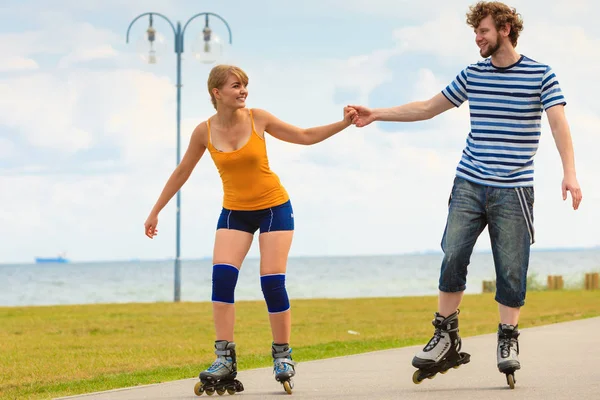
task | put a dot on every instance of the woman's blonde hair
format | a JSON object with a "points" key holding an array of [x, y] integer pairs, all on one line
{"points": [[218, 76]]}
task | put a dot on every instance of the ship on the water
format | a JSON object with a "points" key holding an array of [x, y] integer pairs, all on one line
{"points": [[60, 259]]}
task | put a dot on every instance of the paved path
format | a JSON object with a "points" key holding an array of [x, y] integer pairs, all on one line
{"points": [[560, 361]]}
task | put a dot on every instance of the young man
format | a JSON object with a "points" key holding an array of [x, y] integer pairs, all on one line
{"points": [[507, 93]]}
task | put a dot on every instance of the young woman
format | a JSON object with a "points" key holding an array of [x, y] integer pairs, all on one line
{"points": [[254, 199]]}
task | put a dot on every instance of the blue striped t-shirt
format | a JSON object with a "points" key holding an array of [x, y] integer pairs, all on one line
{"points": [[506, 107]]}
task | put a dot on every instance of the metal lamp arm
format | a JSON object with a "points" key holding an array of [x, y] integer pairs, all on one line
{"points": [[150, 13], [207, 14]]}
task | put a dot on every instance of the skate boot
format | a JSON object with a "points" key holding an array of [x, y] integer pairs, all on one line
{"points": [[508, 352], [283, 366], [442, 352], [220, 376]]}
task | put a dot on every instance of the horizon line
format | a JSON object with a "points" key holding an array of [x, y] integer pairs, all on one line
{"points": [[413, 253]]}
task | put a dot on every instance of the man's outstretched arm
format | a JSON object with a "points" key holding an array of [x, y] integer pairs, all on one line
{"points": [[410, 112]]}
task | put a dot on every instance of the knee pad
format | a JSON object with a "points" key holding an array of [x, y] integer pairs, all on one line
{"points": [[224, 279], [273, 288]]}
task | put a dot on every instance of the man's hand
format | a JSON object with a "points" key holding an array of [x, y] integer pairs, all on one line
{"points": [[364, 116], [570, 184]]}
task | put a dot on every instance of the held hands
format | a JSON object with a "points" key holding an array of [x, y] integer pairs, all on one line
{"points": [[362, 115], [570, 184], [150, 226], [349, 115]]}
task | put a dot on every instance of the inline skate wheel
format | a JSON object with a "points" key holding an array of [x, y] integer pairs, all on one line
{"points": [[444, 372], [210, 392], [415, 378], [510, 379], [221, 392], [231, 391], [287, 385], [198, 389]]}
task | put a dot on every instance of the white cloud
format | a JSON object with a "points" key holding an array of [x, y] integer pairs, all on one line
{"points": [[364, 191], [87, 54], [124, 7], [57, 37], [573, 9], [7, 148], [42, 109], [364, 72], [17, 45], [456, 42], [400, 9], [16, 63], [127, 107], [427, 84]]}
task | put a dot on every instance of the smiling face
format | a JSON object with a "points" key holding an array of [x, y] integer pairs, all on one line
{"points": [[487, 37], [227, 86], [232, 94]]}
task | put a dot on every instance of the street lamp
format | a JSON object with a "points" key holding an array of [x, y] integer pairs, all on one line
{"points": [[208, 52]]}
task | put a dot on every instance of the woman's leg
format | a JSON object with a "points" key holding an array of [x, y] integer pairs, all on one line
{"points": [[275, 240], [274, 249], [231, 247]]}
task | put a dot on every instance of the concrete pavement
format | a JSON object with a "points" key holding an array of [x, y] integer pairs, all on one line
{"points": [[559, 361]]}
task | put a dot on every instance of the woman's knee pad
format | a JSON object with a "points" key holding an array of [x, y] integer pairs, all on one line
{"points": [[273, 288], [224, 279]]}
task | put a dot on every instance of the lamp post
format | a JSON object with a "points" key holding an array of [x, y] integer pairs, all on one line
{"points": [[210, 50]]}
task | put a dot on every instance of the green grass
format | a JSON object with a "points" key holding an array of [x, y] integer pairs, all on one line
{"points": [[47, 352]]}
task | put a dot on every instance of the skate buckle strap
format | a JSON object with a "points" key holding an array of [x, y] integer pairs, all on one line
{"points": [[219, 364], [285, 361], [282, 354], [447, 327], [223, 352]]}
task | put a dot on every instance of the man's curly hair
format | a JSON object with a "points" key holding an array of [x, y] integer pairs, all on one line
{"points": [[501, 14]]}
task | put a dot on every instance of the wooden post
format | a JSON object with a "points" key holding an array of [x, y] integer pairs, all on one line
{"points": [[555, 282], [488, 286], [588, 281], [586, 285], [591, 281]]}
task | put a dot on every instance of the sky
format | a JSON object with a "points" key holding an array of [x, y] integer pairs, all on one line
{"points": [[88, 129]]}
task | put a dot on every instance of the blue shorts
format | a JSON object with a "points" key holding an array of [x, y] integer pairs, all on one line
{"points": [[278, 218]]}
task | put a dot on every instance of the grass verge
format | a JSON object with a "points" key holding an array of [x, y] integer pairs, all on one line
{"points": [[47, 352]]}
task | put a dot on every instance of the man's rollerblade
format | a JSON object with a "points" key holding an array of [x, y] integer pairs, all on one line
{"points": [[508, 352], [220, 376], [442, 352], [283, 366]]}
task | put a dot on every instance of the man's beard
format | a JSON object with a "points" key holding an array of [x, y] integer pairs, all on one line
{"points": [[491, 49]]}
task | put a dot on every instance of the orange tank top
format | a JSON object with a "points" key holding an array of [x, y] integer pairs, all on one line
{"points": [[248, 182]]}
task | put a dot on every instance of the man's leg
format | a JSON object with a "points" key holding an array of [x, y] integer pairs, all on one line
{"points": [[510, 220], [448, 302], [466, 220], [510, 224]]}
